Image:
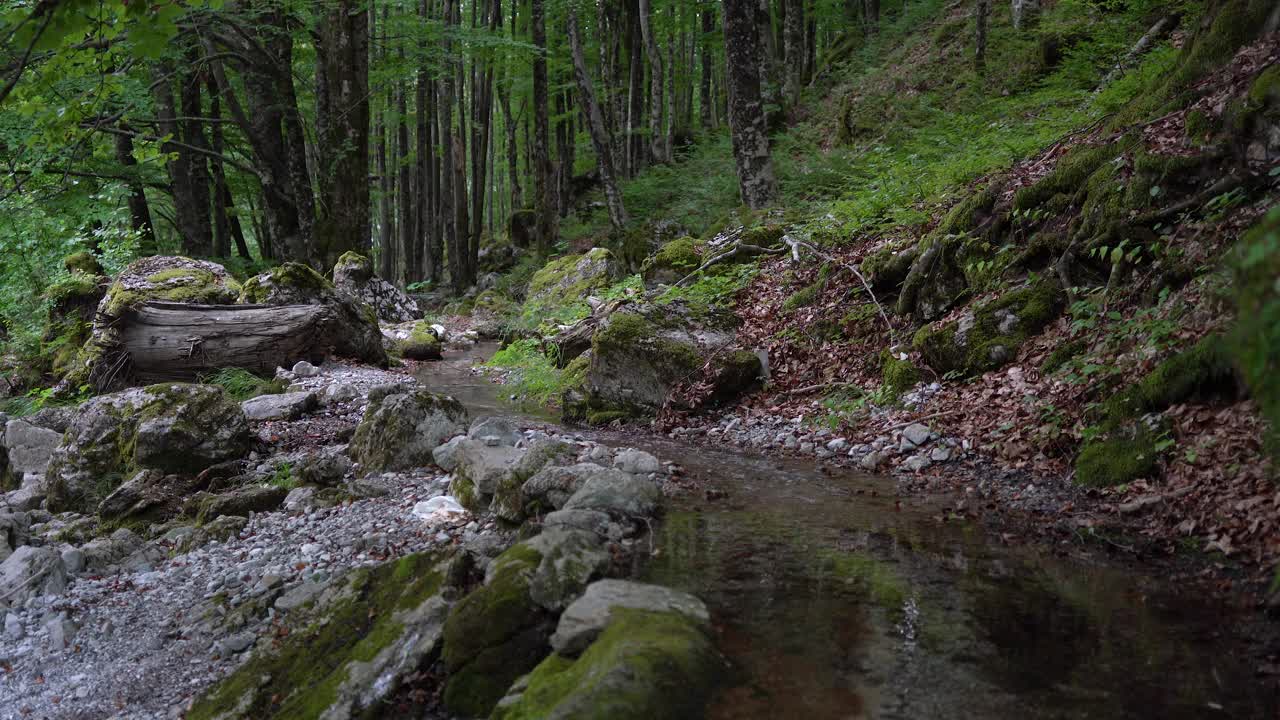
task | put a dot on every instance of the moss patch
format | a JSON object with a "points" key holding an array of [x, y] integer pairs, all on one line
{"points": [[301, 677], [1254, 342], [644, 665], [290, 277], [993, 335], [898, 376], [673, 261], [494, 635], [1117, 460], [422, 343]]}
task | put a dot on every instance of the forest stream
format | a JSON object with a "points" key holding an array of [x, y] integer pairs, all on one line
{"points": [[832, 598]]}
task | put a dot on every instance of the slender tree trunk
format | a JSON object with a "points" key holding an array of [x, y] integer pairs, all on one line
{"points": [[595, 123], [635, 93], [746, 112], [980, 49], [793, 41], [513, 147], [657, 138], [1026, 14], [342, 128], [407, 186], [706, 103], [544, 202], [192, 133], [191, 230], [422, 183], [448, 194], [139, 209], [233, 218], [221, 221]]}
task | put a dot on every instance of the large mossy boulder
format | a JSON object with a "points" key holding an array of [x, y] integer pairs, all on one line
{"points": [[495, 634], [353, 274], [989, 336], [492, 477], [648, 660], [641, 355], [158, 278], [570, 279], [174, 428], [350, 325], [401, 427], [346, 655]]}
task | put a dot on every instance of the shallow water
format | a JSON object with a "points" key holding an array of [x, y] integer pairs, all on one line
{"points": [[832, 599]]}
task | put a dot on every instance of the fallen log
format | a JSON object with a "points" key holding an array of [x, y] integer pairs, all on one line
{"points": [[162, 341]]}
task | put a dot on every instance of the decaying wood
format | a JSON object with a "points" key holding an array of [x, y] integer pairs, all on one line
{"points": [[178, 341]]}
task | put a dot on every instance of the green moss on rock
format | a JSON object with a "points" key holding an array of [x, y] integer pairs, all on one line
{"points": [[422, 343], [82, 262], [291, 278], [898, 376], [644, 665], [303, 675], [494, 635], [673, 261], [1117, 460], [1068, 176], [991, 336], [1254, 342]]}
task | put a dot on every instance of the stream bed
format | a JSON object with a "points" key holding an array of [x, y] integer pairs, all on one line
{"points": [[833, 598]]}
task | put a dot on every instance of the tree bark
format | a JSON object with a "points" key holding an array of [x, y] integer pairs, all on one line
{"points": [[980, 43], [192, 233], [544, 202], [1026, 14], [793, 42], [595, 123], [342, 129], [706, 103], [139, 209], [746, 109], [657, 138], [200, 213]]}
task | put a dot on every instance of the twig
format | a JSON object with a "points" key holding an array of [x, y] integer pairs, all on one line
{"points": [[812, 388], [795, 254], [28, 581]]}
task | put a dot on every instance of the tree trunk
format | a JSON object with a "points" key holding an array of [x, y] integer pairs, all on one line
{"points": [[657, 138], [595, 123], [139, 209], [419, 256], [544, 202], [746, 109], [1026, 14], [793, 42], [448, 195], [221, 219], [342, 129], [980, 49], [192, 133], [706, 99], [406, 188], [193, 236]]}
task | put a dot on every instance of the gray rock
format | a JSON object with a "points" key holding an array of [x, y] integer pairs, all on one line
{"points": [[29, 447], [940, 454], [482, 466], [15, 531], [28, 497], [446, 456], [326, 467], [496, 427], [298, 596], [73, 560], [587, 520], [637, 462], [587, 616], [150, 495], [570, 560], [237, 643], [340, 393], [916, 463], [176, 428], [839, 445], [916, 434], [617, 493], [552, 486], [61, 632], [872, 461], [13, 629], [400, 430], [103, 553], [286, 406], [305, 369], [31, 572]]}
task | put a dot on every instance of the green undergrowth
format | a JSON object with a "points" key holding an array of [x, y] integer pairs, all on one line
{"points": [[241, 385], [533, 373]]}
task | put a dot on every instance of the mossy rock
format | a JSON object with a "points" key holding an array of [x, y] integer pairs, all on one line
{"points": [[898, 376], [936, 280], [378, 624], [1068, 176], [886, 268], [73, 301], [990, 336], [672, 262], [175, 428], [289, 284], [572, 277], [1203, 370], [494, 635], [635, 364], [1119, 459], [352, 267], [402, 426], [644, 665], [422, 343], [82, 262]]}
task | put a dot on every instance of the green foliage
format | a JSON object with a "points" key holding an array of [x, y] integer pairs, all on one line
{"points": [[241, 385], [533, 375], [1255, 340], [711, 292], [283, 477]]}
